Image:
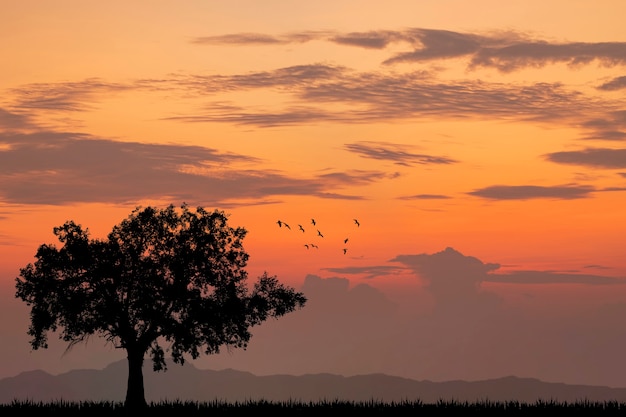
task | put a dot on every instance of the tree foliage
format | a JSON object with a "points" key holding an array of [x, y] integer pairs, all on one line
{"points": [[163, 280]]}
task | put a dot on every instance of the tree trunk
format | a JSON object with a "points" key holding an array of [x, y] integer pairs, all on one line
{"points": [[135, 396]]}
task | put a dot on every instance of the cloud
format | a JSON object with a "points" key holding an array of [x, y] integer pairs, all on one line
{"points": [[454, 281], [452, 275], [540, 53], [551, 277], [617, 83], [14, 121], [250, 38], [323, 93], [59, 168], [505, 51], [368, 40], [612, 135], [608, 125], [425, 197], [396, 153], [525, 192], [438, 44], [592, 157], [239, 39], [67, 96], [337, 296], [220, 113], [368, 272]]}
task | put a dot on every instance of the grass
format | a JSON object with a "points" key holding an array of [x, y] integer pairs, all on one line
{"points": [[291, 408]]}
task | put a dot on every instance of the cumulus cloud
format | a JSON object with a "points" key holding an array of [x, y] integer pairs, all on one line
{"points": [[449, 273], [452, 275], [525, 192]]}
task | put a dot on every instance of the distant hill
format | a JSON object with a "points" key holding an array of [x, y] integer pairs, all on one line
{"points": [[190, 383]]}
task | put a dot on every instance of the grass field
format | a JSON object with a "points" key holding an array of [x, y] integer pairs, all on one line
{"points": [[295, 408]]}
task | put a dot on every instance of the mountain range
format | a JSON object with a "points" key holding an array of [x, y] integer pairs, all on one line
{"points": [[188, 383]]}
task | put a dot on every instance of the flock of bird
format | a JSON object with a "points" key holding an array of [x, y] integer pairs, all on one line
{"points": [[314, 223]]}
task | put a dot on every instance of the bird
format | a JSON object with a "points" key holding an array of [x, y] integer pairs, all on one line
{"points": [[320, 234], [287, 226], [345, 250], [313, 245], [280, 224], [306, 246], [313, 222], [356, 222], [345, 240], [301, 228]]}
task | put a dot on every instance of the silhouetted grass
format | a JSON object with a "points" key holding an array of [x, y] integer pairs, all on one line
{"points": [[291, 408]]}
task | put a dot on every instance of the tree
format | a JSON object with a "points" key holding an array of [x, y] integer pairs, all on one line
{"points": [[162, 277]]}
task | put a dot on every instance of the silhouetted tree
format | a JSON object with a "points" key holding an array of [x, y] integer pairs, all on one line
{"points": [[161, 277]]}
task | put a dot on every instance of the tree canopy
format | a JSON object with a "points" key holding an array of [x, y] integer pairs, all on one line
{"points": [[163, 280]]}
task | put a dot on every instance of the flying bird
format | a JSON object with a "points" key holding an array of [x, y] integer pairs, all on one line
{"points": [[280, 224], [345, 240], [287, 226], [345, 250], [320, 233], [313, 245], [313, 222], [301, 228], [306, 246], [356, 222]]}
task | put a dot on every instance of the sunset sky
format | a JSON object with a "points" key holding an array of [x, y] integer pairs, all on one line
{"points": [[480, 145]]}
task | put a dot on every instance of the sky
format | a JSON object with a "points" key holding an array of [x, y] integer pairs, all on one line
{"points": [[481, 146]]}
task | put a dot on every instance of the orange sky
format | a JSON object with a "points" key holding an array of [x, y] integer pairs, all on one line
{"points": [[494, 129]]}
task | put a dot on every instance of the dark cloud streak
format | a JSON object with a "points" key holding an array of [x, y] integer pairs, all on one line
{"points": [[618, 83], [504, 51], [551, 277], [526, 192], [59, 168], [398, 154], [605, 158]]}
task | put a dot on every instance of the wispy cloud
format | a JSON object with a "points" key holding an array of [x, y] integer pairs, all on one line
{"points": [[368, 272], [251, 38], [424, 197], [505, 50], [323, 93], [552, 277], [617, 83], [228, 113], [312, 91], [64, 96], [539, 53], [15, 121], [593, 157], [526, 192], [397, 153], [58, 168]]}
